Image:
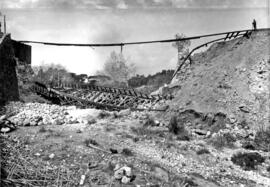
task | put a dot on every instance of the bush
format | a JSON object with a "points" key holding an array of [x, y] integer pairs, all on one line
{"points": [[91, 121], [177, 127], [127, 152], [224, 140], [262, 139], [247, 161], [249, 145], [103, 114]]}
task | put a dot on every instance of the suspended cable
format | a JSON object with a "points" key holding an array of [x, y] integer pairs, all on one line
{"points": [[134, 43]]}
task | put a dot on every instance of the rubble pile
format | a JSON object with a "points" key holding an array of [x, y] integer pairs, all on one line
{"points": [[36, 114]]}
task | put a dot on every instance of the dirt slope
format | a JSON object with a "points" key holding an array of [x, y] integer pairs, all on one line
{"points": [[230, 77]]}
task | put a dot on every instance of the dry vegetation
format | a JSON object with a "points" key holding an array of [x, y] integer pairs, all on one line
{"points": [[23, 170]]}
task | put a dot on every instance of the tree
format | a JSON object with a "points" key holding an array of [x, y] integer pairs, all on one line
{"points": [[182, 47], [53, 74], [118, 69]]}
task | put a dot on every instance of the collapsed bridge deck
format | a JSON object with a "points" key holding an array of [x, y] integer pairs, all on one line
{"points": [[101, 97]]}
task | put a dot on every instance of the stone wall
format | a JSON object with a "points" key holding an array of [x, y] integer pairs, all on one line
{"points": [[22, 52], [8, 79]]}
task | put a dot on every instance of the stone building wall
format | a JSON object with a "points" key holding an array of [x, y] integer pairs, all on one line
{"points": [[8, 79]]}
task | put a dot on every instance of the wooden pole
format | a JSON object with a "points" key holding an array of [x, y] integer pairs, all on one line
{"points": [[5, 29]]}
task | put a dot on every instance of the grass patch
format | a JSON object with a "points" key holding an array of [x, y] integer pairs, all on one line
{"points": [[53, 133], [247, 161], [141, 131], [29, 171], [224, 140], [262, 139], [149, 122]]}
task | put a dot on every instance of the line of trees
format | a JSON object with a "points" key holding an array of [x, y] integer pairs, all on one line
{"points": [[117, 71], [157, 80]]}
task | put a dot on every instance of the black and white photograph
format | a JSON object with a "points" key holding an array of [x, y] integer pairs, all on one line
{"points": [[135, 93]]}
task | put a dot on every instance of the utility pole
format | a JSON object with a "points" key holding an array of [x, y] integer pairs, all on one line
{"points": [[3, 23], [5, 26]]}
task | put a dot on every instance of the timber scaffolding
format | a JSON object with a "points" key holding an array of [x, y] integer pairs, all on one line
{"points": [[118, 98]]}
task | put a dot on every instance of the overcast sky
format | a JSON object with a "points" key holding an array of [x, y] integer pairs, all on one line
{"points": [[106, 21]]}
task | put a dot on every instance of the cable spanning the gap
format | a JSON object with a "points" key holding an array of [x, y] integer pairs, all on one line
{"points": [[135, 43]]}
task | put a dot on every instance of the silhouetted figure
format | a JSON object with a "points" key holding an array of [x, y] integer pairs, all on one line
{"points": [[254, 24]]}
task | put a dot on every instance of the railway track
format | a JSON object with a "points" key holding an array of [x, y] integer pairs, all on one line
{"points": [[89, 96]]}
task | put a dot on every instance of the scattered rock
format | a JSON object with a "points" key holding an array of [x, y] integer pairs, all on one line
{"points": [[200, 132], [40, 123], [5, 130], [2, 118], [82, 179], [208, 134], [124, 174], [232, 119], [57, 122], [161, 174], [237, 144], [124, 113], [127, 171], [51, 156], [26, 122], [37, 154], [125, 180], [244, 109], [33, 123], [118, 174]]}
